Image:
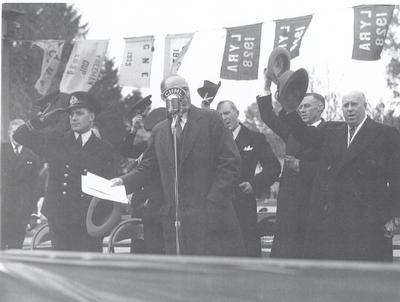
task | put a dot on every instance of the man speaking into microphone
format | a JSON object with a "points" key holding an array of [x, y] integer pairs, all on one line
{"points": [[208, 168]]}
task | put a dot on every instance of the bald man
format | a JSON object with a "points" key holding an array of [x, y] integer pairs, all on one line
{"points": [[209, 170], [355, 200]]}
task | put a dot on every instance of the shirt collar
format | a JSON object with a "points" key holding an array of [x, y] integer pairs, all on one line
{"points": [[235, 131], [85, 136], [355, 132], [316, 124], [19, 147]]}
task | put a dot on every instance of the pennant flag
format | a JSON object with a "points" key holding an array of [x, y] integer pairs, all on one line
{"points": [[52, 50], [242, 53], [176, 47], [84, 65], [371, 24], [289, 33], [136, 64]]}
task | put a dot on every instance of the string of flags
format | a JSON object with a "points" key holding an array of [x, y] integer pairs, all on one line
{"points": [[240, 57]]}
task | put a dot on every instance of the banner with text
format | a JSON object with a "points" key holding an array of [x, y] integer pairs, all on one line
{"points": [[242, 52], [371, 24], [289, 33], [52, 50], [84, 65], [135, 69], [176, 47]]}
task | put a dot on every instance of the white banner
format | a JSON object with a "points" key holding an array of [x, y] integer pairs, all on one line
{"points": [[52, 50], [176, 47], [84, 65], [135, 69]]}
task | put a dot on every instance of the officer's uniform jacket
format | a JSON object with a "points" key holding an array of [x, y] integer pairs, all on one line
{"points": [[64, 199]]}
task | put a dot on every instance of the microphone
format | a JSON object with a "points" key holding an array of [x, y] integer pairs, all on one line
{"points": [[173, 98], [173, 106]]}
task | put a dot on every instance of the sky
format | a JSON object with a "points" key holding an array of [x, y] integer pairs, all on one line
{"points": [[326, 47]]}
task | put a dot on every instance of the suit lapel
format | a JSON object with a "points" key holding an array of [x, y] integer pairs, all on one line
{"points": [[364, 137], [165, 142], [242, 138], [190, 132], [11, 156]]}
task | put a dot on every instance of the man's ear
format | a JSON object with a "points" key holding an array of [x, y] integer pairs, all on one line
{"points": [[92, 116]]}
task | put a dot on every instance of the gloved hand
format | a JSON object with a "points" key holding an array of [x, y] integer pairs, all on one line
{"points": [[50, 98], [46, 118]]}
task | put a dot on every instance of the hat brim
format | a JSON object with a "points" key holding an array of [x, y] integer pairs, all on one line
{"points": [[141, 105], [154, 117], [292, 93]]}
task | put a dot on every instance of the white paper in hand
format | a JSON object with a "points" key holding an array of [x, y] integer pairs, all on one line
{"points": [[101, 187]]}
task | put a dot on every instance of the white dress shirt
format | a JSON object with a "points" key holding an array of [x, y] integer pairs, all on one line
{"points": [[355, 132], [235, 132], [85, 136]]}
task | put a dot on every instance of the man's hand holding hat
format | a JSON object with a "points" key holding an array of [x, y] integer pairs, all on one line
{"points": [[45, 118]]}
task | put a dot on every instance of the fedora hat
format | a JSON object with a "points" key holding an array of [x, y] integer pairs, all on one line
{"points": [[154, 117], [278, 63], [140, 106], [292, 87], [208, 91]]}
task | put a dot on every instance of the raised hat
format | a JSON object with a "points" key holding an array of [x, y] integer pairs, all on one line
{"points": [[83, 99], [140, 106], [208, 91], [154, 117], [292, 88], [278, 63]]}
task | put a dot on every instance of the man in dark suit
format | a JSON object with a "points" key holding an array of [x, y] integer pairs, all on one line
{"points": [[209, 167], [69, 156], [19, 178], [355, 201], [298, 173], [254, 149]]}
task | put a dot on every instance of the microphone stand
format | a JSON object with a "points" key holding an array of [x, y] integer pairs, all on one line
{"points": [[176, 186]]}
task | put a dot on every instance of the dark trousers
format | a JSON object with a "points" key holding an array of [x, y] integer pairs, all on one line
{"points": [[73, 237], [153, 237]]}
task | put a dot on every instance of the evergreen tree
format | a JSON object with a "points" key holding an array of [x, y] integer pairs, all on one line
{"points": [[41, 21], [392, 47]]}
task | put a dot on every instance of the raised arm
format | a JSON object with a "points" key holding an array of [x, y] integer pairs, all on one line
{"points": [[269, 117]]}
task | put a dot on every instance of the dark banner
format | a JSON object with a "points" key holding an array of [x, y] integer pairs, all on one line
{"points": [[290, 32], [242, 53], [371, 24]]}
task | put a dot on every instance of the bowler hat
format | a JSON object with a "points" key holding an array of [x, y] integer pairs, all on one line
{"points": [[208, 91], [140, 106], [83, 99]]}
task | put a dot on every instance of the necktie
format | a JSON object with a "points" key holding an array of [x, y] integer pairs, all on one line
{"points": [[178, 139], [178, 129], [79, 140], [16, 150], [351, 132]]}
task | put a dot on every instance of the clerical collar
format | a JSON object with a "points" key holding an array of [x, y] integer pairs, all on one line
{"points": [[85, 136]]}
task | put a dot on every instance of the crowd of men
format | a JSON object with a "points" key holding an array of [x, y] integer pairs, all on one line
{"points": [[339, 193]]}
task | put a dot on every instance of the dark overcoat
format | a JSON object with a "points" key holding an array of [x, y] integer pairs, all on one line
{"points": [[20, 192], [294, 189], [254, 149], [355, 192], [209, 169]]}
